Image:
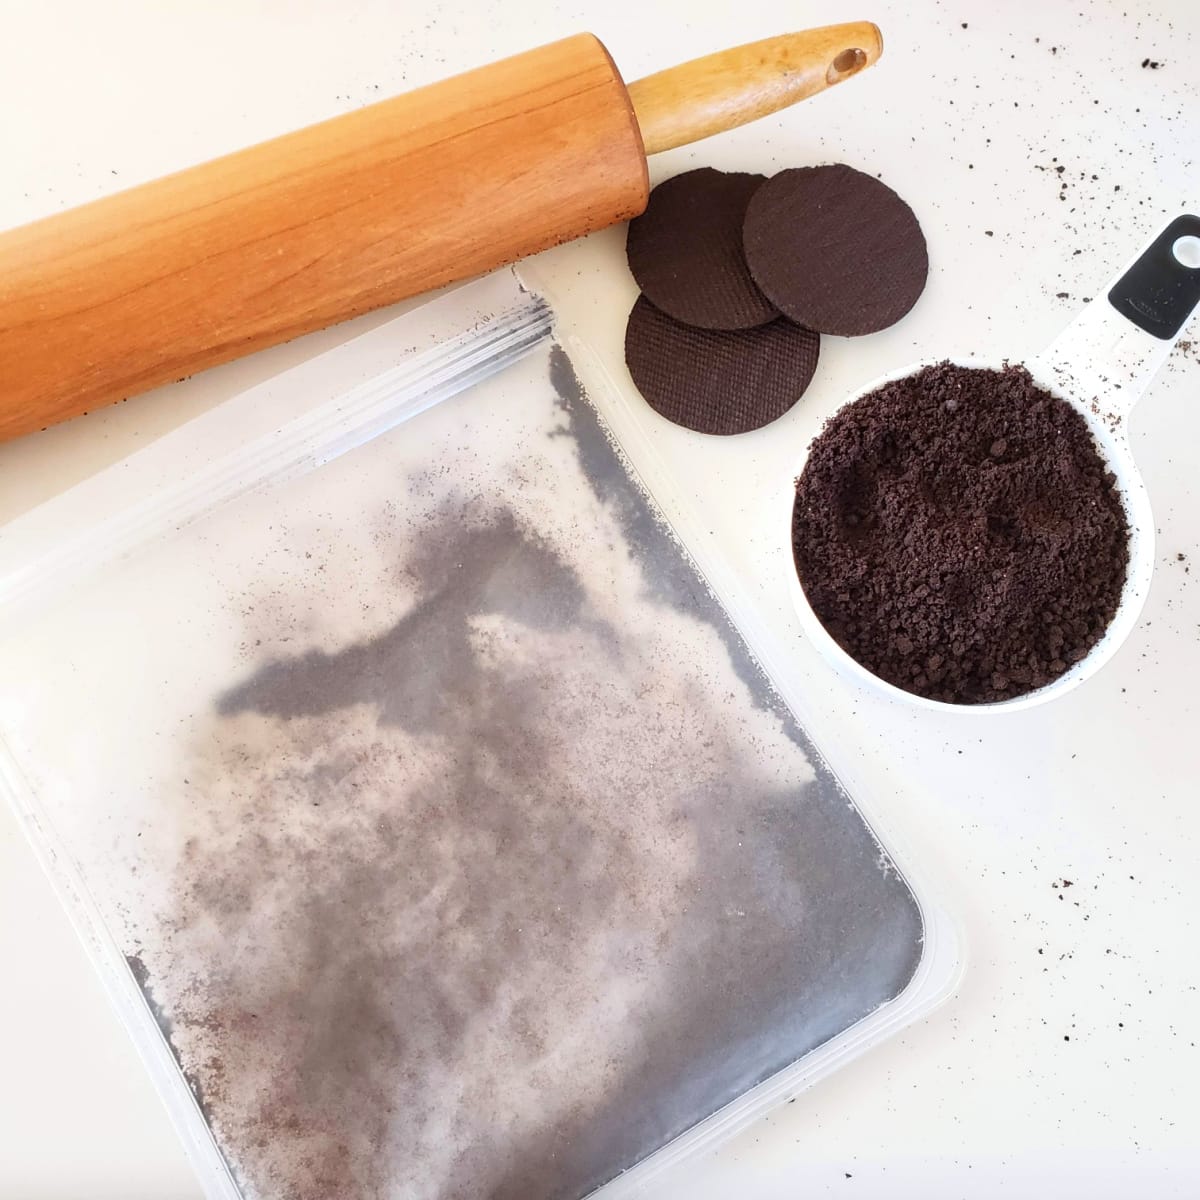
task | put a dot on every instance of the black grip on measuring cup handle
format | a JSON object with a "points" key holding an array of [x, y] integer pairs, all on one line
{"points": [[1158, 293]]}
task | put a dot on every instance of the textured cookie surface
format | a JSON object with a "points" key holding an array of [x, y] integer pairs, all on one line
{"points": [[716, 381], [685, 251], [834, 249]]}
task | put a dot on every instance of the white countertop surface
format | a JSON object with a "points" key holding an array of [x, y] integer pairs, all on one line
{"points": [[1066, 1065]]}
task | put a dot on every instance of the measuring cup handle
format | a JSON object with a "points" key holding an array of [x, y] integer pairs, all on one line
{"points": [[1109, 354]]}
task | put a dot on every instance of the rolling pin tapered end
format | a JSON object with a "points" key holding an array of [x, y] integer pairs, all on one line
{"points": [[721, 91]]}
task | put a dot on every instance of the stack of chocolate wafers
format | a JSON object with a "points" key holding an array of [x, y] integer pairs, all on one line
{"points": [[740, 275]]}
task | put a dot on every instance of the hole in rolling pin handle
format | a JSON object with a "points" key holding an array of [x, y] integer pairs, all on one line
{"points": [[845, 65]]}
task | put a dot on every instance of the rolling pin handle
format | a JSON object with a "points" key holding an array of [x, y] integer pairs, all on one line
{"points": [[721, 91]]}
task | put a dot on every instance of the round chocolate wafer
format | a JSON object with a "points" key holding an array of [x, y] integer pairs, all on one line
{"points": [[685, 251], [835, 249], [718, 381]]}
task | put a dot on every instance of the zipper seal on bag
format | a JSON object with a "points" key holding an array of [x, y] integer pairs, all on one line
{"points": [[346, 421]]}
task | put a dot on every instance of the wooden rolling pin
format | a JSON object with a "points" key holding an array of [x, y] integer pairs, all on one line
{"points": [[155, 283]]}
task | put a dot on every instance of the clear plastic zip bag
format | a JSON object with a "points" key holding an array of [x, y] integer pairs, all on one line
{"points": [[435, 819]]}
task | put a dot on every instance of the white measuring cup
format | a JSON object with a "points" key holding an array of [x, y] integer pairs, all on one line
{"points": [[1102, 363]]}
